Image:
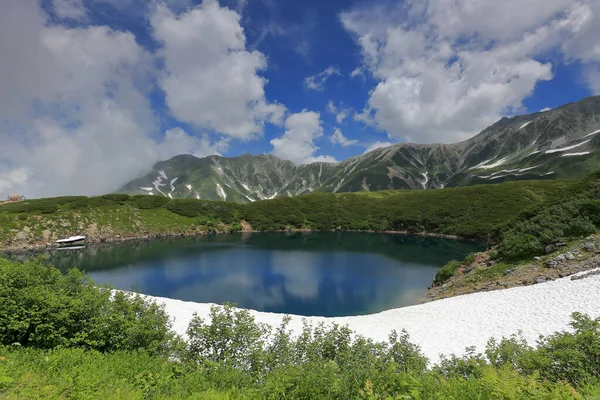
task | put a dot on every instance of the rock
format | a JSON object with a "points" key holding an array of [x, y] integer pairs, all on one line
{"points": [[549, 249], [589, 246], [560, 244], [585, 275], [490, 263], [560, 258], [569, 256], [508, 271], [551, 264], [537, 258], [539, 279]]}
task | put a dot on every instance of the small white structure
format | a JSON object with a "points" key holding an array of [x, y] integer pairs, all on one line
{"points": [[70, 240]]}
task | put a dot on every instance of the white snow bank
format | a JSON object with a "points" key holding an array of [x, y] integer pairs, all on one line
{"points": [[583, 153], [189, 187], [448, 326], [567, 148]]}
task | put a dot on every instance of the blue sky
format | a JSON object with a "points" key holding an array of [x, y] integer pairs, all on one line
{"points": [[96, 91]]}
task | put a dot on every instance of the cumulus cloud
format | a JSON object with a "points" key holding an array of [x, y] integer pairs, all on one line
{"points": [[446, 70], [317, 82], [377, 145], [297, 142], [73, 9], [340, 111], [339, 138], [178, 141], [75, 115], [210, 79]]}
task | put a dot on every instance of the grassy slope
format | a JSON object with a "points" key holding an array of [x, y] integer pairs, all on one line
{"points": [[469, 212]]}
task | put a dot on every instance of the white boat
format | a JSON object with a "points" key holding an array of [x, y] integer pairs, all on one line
{"points": [[69, 240]]}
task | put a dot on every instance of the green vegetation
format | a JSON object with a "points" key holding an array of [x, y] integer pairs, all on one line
{"points": [[83, 345], [446, 272], [470, 212], [575, 214]]}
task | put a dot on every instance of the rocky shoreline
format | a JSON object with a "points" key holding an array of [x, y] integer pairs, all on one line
{"points": [[29, 247], [485, 275]]}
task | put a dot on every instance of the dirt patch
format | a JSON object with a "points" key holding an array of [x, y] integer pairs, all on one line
{"points": [[246, 226]]}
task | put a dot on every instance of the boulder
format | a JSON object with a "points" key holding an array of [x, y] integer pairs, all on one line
{"points": [[589, 246], [539, 279], [549, 249], [569, 256]]}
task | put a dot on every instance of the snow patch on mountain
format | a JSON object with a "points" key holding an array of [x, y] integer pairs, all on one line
{"points": [[567, 148], [425, 179], [528, 169], [172, 182], [221, 192], [162, 173], [593, 133], [583, 153], [525, 124], [485, 165]]}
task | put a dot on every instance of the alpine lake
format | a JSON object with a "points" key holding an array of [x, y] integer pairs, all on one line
{"points": [[314, 274]]}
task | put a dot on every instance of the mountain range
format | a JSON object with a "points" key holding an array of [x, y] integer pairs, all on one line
{"points": [[560, 143]]}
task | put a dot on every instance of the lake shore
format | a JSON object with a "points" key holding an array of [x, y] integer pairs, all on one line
{"points": [[450, 325], [94, 239], [485, 274]]}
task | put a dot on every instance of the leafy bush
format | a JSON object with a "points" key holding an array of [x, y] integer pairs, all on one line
{"points": [[446, 272], [574, 215], [80, 340], [45, 309], [146, 202], [469, 259]]}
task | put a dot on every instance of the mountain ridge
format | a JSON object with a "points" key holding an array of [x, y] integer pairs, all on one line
{"points": [[563, 142]]}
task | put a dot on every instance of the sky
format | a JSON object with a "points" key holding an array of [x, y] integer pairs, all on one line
{"points": [[94, 92]]}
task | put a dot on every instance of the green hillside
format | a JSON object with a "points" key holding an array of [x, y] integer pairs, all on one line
{"points": [[469, 212]]}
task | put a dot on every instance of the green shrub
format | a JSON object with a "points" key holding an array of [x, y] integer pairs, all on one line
{"points": [[119, 198], [469, 259], [146, 202], [446, 272], [45, 309]]}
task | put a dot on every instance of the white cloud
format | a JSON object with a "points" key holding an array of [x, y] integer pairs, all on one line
{"points": [[74, 111], [210, 79], [378, 145], [545, 109], [177, 141], [297, 143], [73, 9], [447, 69], [317, 82], [341, 112], [339, 138], [358, 71]]}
